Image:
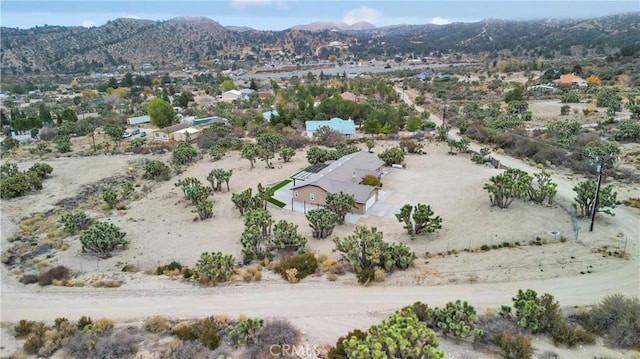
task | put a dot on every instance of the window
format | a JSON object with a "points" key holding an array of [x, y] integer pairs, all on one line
{"points": [[295, 194], [312, 197]]}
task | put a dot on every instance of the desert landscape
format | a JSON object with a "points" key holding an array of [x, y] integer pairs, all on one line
{"points": [[161, 228]]}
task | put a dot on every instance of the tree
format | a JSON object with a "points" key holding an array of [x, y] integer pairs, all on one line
{"points": [[542, 189], [63, 143], [286, 237], [156, 170], [250, 152], [363, 249], [419, 219], [183, 100], [393, 155], [9, 143], [402, 335], [217, 176], [244, 201], [257, 232], [68, 114], [286, 153], [586, 194], [184, 153], [228, 85], [341, 204], [628, 130], [45, 113], [102, 239], [215, 267], [505, 187], [115, 131], [370, 142], [160, 112], [322, 222], [414, 123]]}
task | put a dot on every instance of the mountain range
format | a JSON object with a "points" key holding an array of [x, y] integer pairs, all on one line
{"points": [[200, 40]]}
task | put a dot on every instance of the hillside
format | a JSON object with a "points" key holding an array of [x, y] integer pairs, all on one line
{"points": [[56, 49]]}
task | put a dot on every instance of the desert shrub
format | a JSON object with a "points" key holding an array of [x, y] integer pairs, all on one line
{"points": [[215, 267], [305, 265], [52, 340], [75, 221], [41, 169], [33, 343], [23, 328], [529, 310], [55, 273], [156, 170], [83, 322], [337, 351], [456, 318], [493, 326], [379, 275], [122, 344], [110, 199], [102, 239], [246, 331], [278, 332], [366, 276], [570, 335], [102, 325], [514, 346], [190, 350], [184, 331], [393, 155], [19, 184], [206, 332], [617, 318], [155, 325], [29, 279], [79, 345], [169, 267], [187, 272]]}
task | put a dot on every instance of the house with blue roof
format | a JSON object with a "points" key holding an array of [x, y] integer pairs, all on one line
{"points": [[267, 115], [345, 127]]}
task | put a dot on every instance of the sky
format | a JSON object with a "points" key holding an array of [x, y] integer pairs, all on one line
{"points": [[283, 14]]}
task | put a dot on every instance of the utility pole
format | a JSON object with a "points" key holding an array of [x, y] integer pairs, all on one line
{"points": [[602, 160], [444, 113]]}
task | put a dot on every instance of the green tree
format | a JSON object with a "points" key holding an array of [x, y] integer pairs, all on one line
{"points": [[257, 232], [217, 176], [228, 85], [183, 100], [456, 318], [215, 267], [69, 115], [419, 219], [507, 186], [184, 153], [115, 131], [341, 204], [322, 222], [250, 152], [286, 237], [529, 309], [63, 143], [160, 112], [110, 198], [156, 170], [414, 123], [586, 194], [286, 153], [540, 188], [392, 155], [45, 114], [370, 142]]}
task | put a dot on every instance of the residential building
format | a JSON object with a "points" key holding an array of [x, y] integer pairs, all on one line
{"points": [[165, 134], [138, 120], [343, 175], [570, 80], [268, 114], [345, 127]]}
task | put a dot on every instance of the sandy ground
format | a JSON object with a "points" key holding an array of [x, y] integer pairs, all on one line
{"points": [[162, 229]]}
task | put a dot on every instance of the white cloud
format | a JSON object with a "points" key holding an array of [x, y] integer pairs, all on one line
{"points": [[132, 17], [247, 3], [88, 23], [362, 13], [440, 21]]}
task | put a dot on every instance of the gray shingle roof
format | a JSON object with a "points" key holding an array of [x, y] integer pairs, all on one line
{"points": [[345, 175]]}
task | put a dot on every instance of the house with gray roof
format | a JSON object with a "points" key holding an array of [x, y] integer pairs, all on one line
{"points": [[343, 175]]}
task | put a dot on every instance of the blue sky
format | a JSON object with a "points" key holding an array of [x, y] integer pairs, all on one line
{"points": [[282, 14]]}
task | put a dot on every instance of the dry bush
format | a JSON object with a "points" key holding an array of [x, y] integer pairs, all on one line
{"points": [[278, 331], [77, 346], [192, 350], [328, 262], [495, 325], [122, 344], [156, 325], [102, 325], [379, 275], [617, 318], [29, 279], [332, 277]]}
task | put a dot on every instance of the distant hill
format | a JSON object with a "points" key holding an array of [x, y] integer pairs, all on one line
{"points": [[197, 40], [333, 25]]}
